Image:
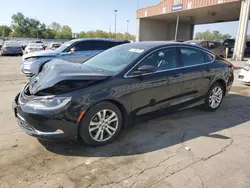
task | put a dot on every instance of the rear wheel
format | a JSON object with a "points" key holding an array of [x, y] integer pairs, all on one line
{"points": [[101, 124], [214, 97]]}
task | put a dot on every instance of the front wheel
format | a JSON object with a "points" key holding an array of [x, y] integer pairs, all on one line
{"points": [[101, 124], [214, 97]]}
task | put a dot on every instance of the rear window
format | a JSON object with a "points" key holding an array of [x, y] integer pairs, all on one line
{"points": [[191, 56], [208, 57], [12, 44]]}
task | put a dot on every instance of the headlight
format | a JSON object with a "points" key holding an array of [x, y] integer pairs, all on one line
{"points": [[48, 103], [31, 59], [247, 66]]}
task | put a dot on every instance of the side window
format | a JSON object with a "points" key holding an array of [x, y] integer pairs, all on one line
{"points": [[112, 44], [191, 56], [162, 59], [203, 45], [212, 45], [91, 46], [100, 45], [208, 58], [82, 46]]}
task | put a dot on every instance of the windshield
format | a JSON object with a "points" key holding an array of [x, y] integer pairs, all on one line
{"points": [[115, 59], [64, 46]]}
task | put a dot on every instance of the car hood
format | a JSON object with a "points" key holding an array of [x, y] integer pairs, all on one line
{"points": [[43, 53], [57, 70]]}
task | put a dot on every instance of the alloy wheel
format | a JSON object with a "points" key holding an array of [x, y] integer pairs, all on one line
{"points": [[103, 125], [215, 97]]}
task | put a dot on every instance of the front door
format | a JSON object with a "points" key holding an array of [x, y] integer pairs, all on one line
{"points": [[157, 90]]}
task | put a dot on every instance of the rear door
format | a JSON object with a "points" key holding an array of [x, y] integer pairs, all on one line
{"points": [[196, 71]]}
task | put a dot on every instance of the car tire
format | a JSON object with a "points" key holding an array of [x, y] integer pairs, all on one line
{"points": [[214, 97], [95, 128]]}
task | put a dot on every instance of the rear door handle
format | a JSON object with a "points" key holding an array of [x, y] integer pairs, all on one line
{"points": [[208, 70]]}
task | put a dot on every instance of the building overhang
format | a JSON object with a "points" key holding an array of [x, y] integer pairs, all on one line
{"points": [[224, 12]]}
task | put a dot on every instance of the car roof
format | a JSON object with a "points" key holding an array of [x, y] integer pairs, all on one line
{"points": [[99, 39], [155, 44], [200, 41]]}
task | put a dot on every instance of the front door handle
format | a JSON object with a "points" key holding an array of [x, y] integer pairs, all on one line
{"points": [[208, 70]]}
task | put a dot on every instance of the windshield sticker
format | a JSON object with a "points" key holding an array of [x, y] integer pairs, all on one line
{"points": [[136, 50]]}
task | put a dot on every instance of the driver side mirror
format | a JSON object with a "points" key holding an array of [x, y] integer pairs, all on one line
{"points": [[72, 50], [144, 69]]}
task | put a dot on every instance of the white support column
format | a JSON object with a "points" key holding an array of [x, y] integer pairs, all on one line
{"points": [[240, 42], [177, 27], [137, 30]]}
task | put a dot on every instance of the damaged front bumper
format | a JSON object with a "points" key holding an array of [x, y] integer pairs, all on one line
{"points": [[45, 126]]}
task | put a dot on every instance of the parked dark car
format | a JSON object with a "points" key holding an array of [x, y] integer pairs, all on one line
{"points": [[97, 99], [229, 43], [215, 47], [1, 42], [11, 48], [247, 49]]}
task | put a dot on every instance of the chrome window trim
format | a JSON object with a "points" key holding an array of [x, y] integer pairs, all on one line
{"points": [[183, 46]]}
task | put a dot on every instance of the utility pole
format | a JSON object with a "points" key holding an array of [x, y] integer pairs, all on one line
{"points": [[177, 27], [110, 28], [115, 19], [127, 25]]}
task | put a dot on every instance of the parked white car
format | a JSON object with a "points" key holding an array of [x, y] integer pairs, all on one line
{"points": [[33, 47], [244, 74]]}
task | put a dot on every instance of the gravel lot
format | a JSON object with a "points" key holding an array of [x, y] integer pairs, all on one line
{"points": [[191, 148]]}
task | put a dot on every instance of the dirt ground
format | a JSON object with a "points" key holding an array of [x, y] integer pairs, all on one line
{"points": [[189, 149]]}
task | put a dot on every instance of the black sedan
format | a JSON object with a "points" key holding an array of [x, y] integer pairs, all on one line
{"points": [[95, 100]]}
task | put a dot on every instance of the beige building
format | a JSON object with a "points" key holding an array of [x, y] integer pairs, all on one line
{"points": [[175, 19]]}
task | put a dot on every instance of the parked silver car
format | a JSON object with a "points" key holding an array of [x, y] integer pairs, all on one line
{"points": [[54, 45], [33, 47], [77, 50], [11, 48]]}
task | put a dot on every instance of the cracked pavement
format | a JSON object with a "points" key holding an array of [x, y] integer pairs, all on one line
{"points": [[191, 148]]}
